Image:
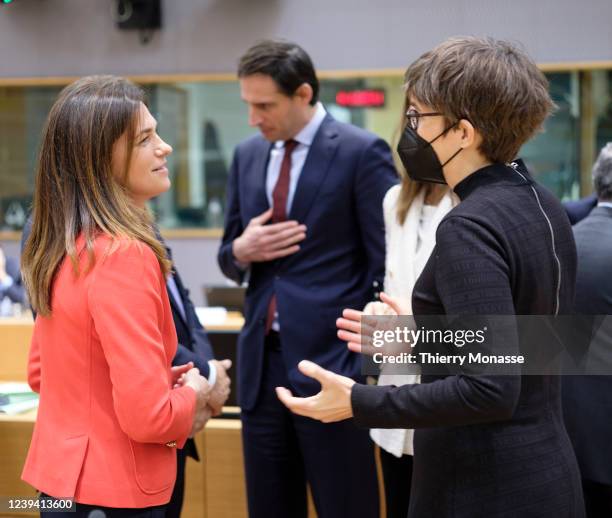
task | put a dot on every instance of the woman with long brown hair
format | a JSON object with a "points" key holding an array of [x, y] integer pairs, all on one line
{"points": [[109, 418]]}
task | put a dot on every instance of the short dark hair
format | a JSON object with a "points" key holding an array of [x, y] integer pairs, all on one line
{"points": [[489, 82], [602, 174], [285, 62]]}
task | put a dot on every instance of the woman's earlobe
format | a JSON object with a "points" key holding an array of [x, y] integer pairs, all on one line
{"points": [[469, 132]]}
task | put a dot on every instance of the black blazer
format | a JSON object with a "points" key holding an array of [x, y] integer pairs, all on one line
{"points": [[587, 400], [489, 446]]}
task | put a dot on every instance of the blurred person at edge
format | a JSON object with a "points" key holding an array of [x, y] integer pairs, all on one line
{"points": [[11, 287], [304, 221], [484, 445], [412, 211], [112, 409], [587, 400]]}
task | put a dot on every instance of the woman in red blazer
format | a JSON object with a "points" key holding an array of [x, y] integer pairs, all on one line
{"points": [[110, 415]]}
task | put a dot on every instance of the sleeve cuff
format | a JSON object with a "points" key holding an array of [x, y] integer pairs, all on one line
{"points": [[7, 282], [364, 401], [212, 374], [243, 267], [188, 395]]}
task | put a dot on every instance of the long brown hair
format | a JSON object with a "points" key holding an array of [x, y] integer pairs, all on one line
{"points": [[75, 191]]}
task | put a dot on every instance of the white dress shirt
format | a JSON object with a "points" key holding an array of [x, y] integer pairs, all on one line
{"points": [[304, 139]]}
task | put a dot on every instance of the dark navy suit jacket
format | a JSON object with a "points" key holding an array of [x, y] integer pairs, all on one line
{"points": [[587, 400], [340, 264], [193, 343], [577, 210]]}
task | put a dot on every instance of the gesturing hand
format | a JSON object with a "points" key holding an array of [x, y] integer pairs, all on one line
{"points": [[221, 389], [356, 333], [260, 242], [332, 403]]}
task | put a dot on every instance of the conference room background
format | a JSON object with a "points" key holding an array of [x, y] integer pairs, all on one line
{"points": [[360, 50]]}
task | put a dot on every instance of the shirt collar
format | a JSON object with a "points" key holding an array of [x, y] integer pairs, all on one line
{"points": [[490, 174], [605, 204], [307, 134]]}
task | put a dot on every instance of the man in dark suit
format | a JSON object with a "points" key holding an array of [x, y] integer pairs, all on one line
{"points": [[587, 400], [304, 223], [193, 346]]}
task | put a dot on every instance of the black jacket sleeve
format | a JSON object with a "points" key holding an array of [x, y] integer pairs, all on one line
{"points": [[471, 278]]}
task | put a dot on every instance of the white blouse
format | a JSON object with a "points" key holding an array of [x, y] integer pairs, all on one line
{"points": [[408, 249]]}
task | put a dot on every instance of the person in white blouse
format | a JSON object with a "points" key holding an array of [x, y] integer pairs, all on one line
{"points": [[412, 212]]}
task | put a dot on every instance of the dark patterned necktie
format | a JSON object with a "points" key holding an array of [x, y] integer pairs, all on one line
{"points": [[280, 194]]}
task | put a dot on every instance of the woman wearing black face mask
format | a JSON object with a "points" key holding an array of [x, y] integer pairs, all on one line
{"points": [[485, 445]]}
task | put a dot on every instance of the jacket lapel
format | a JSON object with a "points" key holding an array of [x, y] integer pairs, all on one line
{"points": [[257, 182], [173, 302], [177, 280], [315, 168]]}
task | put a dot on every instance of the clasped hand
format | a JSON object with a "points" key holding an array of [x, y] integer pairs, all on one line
{"points": [[261, 242], [209, 400], [221, 389]]}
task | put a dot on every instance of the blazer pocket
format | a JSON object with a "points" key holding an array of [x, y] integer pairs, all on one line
{"points": [[154, 466]]}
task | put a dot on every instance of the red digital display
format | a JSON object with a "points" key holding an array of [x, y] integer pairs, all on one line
{"points": [[361, 98]]}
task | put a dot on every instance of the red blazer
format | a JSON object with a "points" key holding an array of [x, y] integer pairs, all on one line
{"points": [[101, 363]]}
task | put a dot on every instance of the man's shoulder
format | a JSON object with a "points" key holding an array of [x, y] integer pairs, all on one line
{"points": [[350, 132], [253, 144], [598, 221], [583, 203], [577, 210]]}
